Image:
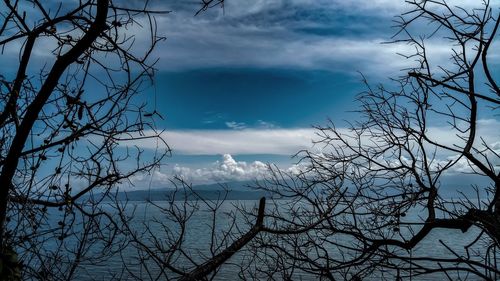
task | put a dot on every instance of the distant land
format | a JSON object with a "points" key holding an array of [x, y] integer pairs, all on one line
{"points": [[229, 191], [452, 187]]}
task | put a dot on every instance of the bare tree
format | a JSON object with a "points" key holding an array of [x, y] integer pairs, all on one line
{"points": [[371, 194], [69, 106], [376, 191], [359, 209], [187, 237]]}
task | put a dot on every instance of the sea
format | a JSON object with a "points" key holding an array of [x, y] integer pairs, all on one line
{"points": [[152, 225]]}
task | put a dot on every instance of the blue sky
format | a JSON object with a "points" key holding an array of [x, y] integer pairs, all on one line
{"points": [[257, 64], [238, 98], [242, 86]]}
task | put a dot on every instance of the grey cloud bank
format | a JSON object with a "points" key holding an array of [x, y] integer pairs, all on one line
{"points": [[328, 35], [338, 36]]}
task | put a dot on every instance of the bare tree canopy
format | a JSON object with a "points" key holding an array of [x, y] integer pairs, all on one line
{"points": [[358, 206], [68, 107], [368, 196]]}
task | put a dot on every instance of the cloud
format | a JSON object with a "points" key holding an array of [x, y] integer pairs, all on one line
{"points": [[285, 142], [154, 179], [266, 125], [245, 141], [328, 35], [289, 50], [260, 124], [255, 34], [225, 170], [280, 141], [228, 169], [339, 36], [236, 125], [486, 131]]}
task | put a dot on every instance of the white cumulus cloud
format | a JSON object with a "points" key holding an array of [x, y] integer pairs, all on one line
{"points": [[225, 170]]}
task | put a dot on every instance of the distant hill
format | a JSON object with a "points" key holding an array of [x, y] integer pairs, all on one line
{"points": [[452, 187], [230, 191]]}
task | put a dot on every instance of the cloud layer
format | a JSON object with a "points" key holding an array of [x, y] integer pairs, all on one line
{"points": [[277, 141], [245, 141], [282, 142], [343, 36]]}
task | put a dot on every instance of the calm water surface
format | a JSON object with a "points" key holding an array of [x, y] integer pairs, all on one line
{"points": [[198, 240]]}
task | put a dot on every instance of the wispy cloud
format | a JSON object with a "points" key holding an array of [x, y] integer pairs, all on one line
{"points": [[297, 34], [245, 141], [277, 141], [342, 36], [236, 125]]}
